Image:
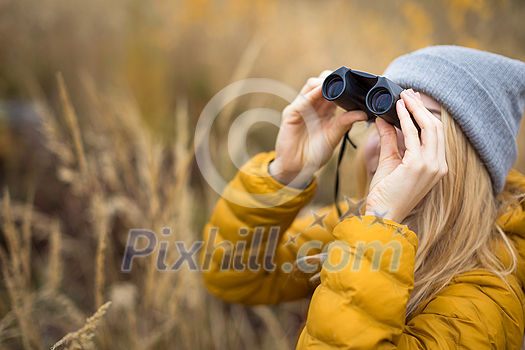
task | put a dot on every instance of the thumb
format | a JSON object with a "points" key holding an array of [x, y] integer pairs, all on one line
{"points": [[388, 139], [341, 125]]}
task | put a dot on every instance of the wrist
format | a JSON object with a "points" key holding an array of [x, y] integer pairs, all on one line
{"points": [[289, 179], [388, 214]]}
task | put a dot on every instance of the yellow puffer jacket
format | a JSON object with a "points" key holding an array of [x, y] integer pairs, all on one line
{"points": [[361, 302]]}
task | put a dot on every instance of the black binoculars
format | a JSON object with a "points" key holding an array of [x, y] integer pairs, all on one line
{"points": [[375, 95]]}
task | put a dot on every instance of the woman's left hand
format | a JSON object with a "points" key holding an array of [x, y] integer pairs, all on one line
{"points": [[399, 184]]}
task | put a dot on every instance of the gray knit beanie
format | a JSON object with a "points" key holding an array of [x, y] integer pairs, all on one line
{"points": [[484, 93]]}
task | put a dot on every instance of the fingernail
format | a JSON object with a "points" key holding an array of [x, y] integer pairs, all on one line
{"points": [[402, 102], [418, 95], [412, 93]]}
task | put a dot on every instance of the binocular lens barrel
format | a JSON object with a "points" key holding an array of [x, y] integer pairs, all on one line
{"points": [[381, 100], [356, 90], [335, 87]]}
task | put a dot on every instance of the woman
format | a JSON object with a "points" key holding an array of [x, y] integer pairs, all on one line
{"points": [[437, 260]]}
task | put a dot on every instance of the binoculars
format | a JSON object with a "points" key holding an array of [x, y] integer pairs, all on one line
{"points": [[375, 95]]}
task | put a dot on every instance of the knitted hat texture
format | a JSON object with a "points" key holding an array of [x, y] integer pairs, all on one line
{"points": [[483, 92]]}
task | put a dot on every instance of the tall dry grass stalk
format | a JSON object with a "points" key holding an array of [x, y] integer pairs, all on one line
{"points": [[18, 291], [10, 232], [99, 212], [26, 235], [55, 140], [115, 174], [15, 294], [72, 123], [276, 332], [241, 72], [55, 267], [82, 338], [146, 182]]}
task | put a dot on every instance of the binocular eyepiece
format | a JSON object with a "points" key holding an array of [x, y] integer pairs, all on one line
{"points": [[375, 95]]}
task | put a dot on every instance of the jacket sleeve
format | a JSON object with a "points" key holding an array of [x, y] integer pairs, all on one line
{"points": [[253, 238], [366, 282]]}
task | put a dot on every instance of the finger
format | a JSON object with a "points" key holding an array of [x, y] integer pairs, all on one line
{"points": [[388, 140], [325, 73], [304, 107], [309, 107], [408, 128], [440, 134], [308, 99], [311, 84], [426, 122], [341, 125], [325, 108], [441, 145], [316, 100]]}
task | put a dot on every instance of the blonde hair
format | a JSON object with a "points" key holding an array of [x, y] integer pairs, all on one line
{"points": [[456, 223]]}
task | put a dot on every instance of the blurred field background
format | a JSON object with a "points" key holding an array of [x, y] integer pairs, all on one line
{"points": [[98, 105]]}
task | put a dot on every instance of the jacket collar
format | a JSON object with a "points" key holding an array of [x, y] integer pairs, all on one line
{"points": [[513, 223]]}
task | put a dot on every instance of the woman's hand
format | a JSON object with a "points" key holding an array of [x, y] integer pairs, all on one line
{"points": [[297, 149], [399, 184]]}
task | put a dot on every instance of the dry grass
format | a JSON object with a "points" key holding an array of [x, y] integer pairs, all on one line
{"points": [[19, 294], [115, 149], [55, 268], [82, 339]]}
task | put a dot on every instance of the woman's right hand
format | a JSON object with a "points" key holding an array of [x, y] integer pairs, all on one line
{"points": [[294, 142]]}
